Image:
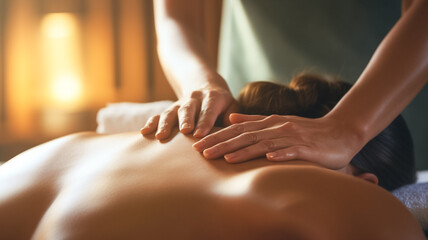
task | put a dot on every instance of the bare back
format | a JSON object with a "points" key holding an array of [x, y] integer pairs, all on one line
{"points": [[89, 186]]}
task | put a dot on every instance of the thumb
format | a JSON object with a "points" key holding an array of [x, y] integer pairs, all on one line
{"points": [[238, 118]]}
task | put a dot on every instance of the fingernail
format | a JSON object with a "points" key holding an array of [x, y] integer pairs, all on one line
{"points": [[209, 151], [144, 131], [199, 133], [272, 155], [230, 156], [199, 145], [160, 133], [185, 126]]}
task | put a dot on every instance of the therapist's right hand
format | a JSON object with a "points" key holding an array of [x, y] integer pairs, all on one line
{"points": [[196, 113]]}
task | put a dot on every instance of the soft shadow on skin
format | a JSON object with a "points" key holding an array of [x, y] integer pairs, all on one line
{"points": [[151, 136], [220, 164]]}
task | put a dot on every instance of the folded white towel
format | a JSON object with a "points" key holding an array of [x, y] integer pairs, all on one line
{"points": [[422, 176], [127, 117]]}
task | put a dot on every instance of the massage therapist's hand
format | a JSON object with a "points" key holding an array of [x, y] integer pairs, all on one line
{"points": [[282, 138], [195, 113]]}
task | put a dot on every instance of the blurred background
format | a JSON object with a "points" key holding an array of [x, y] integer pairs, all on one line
{"points": [[63, 60]]}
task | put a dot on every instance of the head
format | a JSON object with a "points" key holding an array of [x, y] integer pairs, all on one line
{"points": [[387, 160]]}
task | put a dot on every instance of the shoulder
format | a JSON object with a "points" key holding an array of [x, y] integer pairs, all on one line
{"points": [[333, 205]]}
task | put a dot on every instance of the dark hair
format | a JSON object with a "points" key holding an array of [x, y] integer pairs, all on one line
{"points": [[389, 155]]}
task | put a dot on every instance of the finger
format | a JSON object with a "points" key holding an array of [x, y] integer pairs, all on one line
{"points": [[151, 125], [168, 120], [244, 140], [237, 129], [228, 133], [233, 108], [256, 150], [239, 118], [186, 115], [289, 153], [210, 109]]}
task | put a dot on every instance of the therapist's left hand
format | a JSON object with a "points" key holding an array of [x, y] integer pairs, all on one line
{"points": [[326, 141]]}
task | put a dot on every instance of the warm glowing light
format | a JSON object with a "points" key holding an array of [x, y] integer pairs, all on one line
{"points": [[66, 88], [58, 25], [62, 61]]}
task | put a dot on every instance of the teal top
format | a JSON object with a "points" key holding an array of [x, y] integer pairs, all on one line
{"points": [[276, 39]]}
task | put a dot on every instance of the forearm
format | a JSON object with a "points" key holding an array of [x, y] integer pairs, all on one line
{"points": [[182, 48], [405, 5], [396, 73]]}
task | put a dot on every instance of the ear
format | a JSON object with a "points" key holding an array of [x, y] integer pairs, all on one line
{"points": [[370, 177]]}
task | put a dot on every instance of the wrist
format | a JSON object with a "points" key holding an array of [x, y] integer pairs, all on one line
{"points": [[356, 132], [207, 81]]}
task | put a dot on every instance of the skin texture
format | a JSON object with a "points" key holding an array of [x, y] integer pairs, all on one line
{"points": [[254, 135], [89, 186], [393, 77]]}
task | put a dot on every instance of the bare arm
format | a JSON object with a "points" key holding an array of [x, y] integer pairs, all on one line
{"points": [[405, 5], [182, 47], [203, 94], [395, 74]]}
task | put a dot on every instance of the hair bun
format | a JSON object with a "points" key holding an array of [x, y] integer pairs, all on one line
{"points": [[389, 155], [307, 95]]}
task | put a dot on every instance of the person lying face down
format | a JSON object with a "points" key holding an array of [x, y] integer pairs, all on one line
{"points": [[88, 186], [122, 186], [388, 159]]}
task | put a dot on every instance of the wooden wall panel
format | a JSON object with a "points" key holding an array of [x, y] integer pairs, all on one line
{"points": [[21, 77], [119, 62], [99, 49]]}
